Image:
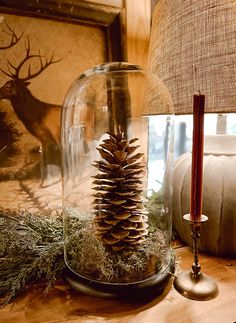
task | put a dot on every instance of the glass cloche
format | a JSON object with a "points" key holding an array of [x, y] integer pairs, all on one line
{"points": [[117, 182]]}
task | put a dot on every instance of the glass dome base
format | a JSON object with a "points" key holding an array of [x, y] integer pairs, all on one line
{"points": [[146, 289]]}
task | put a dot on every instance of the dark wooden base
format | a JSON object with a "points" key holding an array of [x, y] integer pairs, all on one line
{"points": [[146, 289]]}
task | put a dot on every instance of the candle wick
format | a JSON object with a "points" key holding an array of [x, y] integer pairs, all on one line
{"points": [[199, 92]]}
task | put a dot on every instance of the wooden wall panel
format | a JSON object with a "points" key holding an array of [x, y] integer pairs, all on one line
{"points": [[138, 26]]}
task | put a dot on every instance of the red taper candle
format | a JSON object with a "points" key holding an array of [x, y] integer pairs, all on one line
{"points": [[197, 158]]}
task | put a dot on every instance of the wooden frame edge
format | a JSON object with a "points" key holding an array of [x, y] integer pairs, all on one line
{"points": [[109, 18]]}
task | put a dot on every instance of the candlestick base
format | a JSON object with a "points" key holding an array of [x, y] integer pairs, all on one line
{"points": [[196, 287], [194, 284]]}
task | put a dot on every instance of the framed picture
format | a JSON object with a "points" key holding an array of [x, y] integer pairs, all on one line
{"points": [[44, 47]]}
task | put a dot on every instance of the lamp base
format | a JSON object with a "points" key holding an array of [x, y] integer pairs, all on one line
{"points": [[198, 288]]}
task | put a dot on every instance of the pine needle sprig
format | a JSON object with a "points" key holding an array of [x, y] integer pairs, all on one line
{"points": [[31, 249]]}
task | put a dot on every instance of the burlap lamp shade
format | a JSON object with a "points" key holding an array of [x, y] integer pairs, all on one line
{"points": [[193, 47]]}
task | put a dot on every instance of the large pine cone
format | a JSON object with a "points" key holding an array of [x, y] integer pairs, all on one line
{"points": [[120, 217]]}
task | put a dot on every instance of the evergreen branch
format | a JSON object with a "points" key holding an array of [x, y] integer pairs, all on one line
{"points": [[31, 249]]}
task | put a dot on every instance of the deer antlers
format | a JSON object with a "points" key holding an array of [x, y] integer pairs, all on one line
{"points": [[14, 38], [43, 65]]}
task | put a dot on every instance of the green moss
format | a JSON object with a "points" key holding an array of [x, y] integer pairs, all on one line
{"points": [[87, 256]]}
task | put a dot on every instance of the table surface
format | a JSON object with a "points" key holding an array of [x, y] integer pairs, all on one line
{"points": [[65, 305]]}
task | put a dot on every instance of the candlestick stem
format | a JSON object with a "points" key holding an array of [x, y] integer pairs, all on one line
{"points": [[196, 267]]}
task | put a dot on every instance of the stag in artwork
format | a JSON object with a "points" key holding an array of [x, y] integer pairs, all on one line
{"points": [[9, 133], [12, 37], [41, 119]]}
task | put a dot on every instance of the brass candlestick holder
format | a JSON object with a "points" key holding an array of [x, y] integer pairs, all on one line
{"points": [[194, 284]]}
